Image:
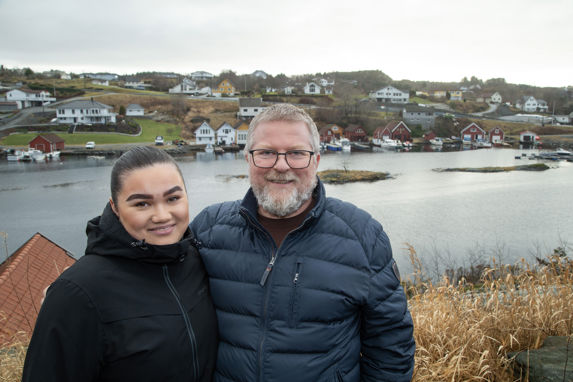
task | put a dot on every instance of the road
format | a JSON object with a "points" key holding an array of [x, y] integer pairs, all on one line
{"points": [[491, 109]]}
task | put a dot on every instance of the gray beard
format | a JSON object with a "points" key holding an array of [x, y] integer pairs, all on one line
{"points": [[286, 206]]}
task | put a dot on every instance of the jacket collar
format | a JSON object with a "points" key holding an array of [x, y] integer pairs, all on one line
{"points": [[108, 237]]}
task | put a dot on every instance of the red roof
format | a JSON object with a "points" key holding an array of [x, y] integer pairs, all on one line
{"points": [[23, 277]]}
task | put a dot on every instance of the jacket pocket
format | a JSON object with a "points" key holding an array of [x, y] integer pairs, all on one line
{"points": [[296, 280]]}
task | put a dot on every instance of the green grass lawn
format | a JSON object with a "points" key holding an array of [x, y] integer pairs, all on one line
{"points": [[150, 129]]}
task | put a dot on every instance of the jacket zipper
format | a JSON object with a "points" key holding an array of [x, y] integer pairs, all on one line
{"points": [[262, 283], [292, 318], [186, 319]]}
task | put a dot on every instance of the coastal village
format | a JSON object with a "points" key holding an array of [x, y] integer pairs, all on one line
{"points": [[44, 116], [350, 114]]}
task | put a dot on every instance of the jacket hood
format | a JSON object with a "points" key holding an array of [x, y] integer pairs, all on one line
{"points": [[108, 237]]}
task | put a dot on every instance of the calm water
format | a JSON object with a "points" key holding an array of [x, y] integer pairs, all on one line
{"points": [[451, 219]]}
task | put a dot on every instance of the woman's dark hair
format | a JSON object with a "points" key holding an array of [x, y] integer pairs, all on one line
{"points": [[136, 158]]}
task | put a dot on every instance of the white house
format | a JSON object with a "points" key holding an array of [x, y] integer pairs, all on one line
{"points": [[496, 98], [201, 76], [65, 76], [542, 106], [390, 94], [528, 104], [85, 112], [29, 98], [288, 90], [226, 134], [204, 134], [326, 82], [250, 107], [185, 87], [134, 110], [100, 82], [311, 88]]}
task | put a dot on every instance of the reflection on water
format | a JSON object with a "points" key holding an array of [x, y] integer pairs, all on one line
{"points": [[451, 219]]}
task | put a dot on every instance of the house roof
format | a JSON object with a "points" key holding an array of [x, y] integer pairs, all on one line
{"points": [[23, 277], [50, 137], [250, 102], [393, 125], [472, 124], [239, 124], [135, 106], [30, 91], [223, 124], [84, 104], [228, 80], [353, 128]]}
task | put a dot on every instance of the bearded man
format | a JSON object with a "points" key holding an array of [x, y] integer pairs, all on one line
{"points": [[305, 286]]}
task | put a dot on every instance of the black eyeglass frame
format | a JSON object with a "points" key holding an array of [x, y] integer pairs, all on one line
{"points": [[286, 158]]}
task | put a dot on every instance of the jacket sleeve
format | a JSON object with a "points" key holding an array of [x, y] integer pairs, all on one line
{"points": [[386, 328], [67, 343]]}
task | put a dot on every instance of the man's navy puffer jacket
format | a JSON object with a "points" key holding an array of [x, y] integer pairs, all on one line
{"points": [[330, 308]]}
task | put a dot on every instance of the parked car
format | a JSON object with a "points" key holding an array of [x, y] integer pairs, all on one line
{"points": [[159, 140], [90, 145]]}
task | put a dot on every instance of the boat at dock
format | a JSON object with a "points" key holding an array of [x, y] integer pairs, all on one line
{"points": [[357, 146], [32, 155], [333, 146], [345, 144]]}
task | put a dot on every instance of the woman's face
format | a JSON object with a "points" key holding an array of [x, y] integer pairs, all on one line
{"points": [[152, 204]]}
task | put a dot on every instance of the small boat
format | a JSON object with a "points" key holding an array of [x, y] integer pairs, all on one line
{"points": [[53, 155], [333, 146], [563, 152], [436, 141], [32, 155], [407, 144], [95, 157], [345, 143], [218, 150], [356, 146], [388, 143], [14, 155], [209, 148], [481, 144]]}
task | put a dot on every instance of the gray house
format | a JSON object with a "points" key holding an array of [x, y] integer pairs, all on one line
{"points": [[249, 107], [419, 115]]}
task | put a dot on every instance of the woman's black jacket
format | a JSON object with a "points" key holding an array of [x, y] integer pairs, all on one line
{"points": [[126, 311]]}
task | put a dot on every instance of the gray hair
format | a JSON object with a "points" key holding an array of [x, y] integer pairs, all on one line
{"points": [[284, 112]]}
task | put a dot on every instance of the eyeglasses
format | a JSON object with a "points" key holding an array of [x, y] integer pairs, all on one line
{"points": [[296, 159]]}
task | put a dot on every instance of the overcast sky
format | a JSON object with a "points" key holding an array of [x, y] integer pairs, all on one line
{"points": [[525, 41]]}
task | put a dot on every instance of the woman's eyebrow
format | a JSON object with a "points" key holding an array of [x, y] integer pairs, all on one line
{"points": [[138, 196], [172, 190], [147, 196]]}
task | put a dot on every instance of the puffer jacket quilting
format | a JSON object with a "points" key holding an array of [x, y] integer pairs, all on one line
{"points": [[331, 308]]}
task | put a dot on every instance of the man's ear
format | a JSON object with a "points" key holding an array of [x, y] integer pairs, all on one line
{"points": [[113, 207]]}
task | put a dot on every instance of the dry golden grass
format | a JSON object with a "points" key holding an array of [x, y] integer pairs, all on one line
{"points": [[463, 333], [12, 358]]}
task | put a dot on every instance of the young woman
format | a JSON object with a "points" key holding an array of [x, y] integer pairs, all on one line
{"points": [[136, 307]]}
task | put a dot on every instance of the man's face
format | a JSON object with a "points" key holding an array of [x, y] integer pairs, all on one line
{"points": [[282, 191]]}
